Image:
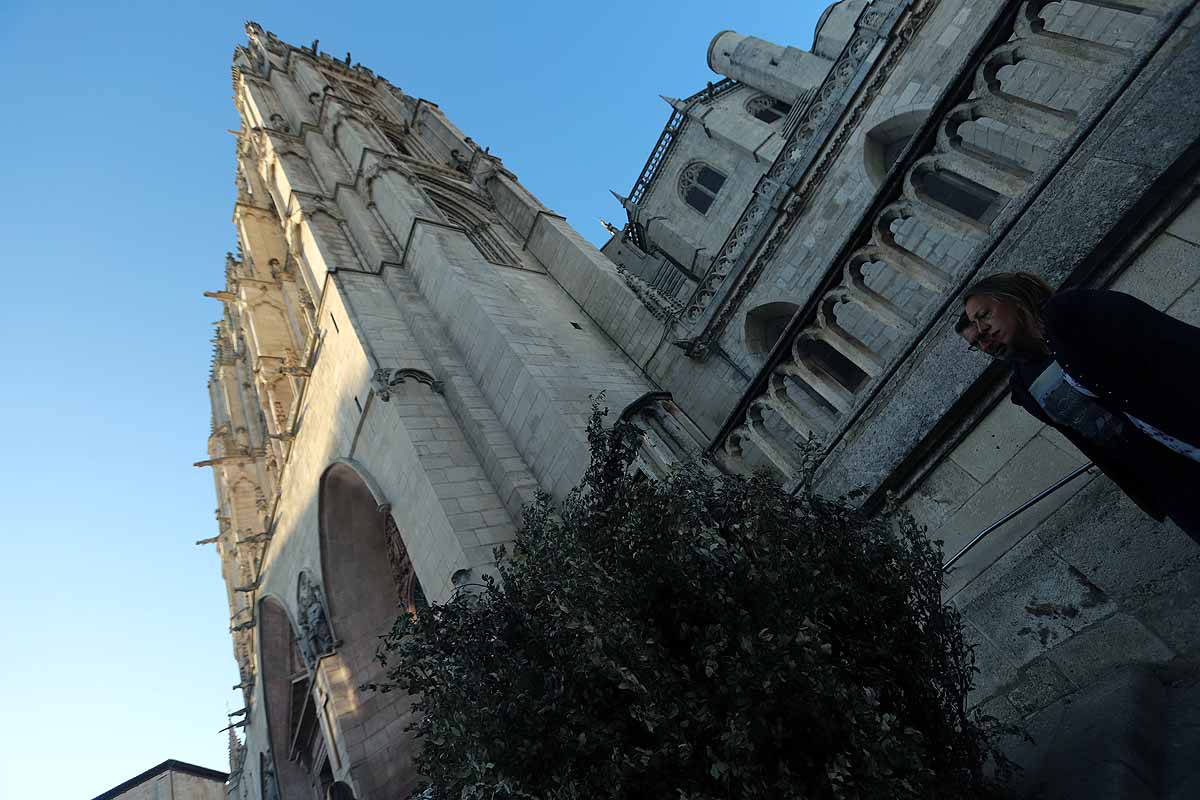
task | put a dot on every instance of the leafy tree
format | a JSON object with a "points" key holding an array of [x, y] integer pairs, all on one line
{"points": [[695, 637]]}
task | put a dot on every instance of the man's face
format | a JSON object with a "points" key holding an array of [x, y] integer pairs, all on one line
{"points": [[995, 327]]}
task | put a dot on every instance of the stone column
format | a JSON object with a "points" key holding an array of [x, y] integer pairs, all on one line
{"points": [[785, 73]]}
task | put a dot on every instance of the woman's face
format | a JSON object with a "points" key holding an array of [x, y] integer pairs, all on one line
{"points": [[999, 329]]}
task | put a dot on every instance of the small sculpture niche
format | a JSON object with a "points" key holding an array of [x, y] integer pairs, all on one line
{"points": [[316, 637]]}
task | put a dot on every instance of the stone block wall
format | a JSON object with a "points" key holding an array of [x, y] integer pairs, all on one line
{"points": [[447, 378], [1083, 582]]}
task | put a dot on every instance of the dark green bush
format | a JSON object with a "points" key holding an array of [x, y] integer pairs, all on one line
{"points": [[695, 637]]}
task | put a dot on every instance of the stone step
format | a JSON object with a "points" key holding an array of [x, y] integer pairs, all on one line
{"points": [[1133, 736]]}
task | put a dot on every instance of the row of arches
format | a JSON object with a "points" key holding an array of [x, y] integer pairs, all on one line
{"points": [[975, 204], [317, 652]]}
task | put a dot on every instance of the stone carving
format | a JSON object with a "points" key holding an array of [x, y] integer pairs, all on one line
{"points": [[292, 365], [461, 163], [316, 638], [408, 588], [280, 414], [386, 379], [662, 307]]}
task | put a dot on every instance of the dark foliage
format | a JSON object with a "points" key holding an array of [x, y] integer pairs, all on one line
{"points": [[695, 637]]}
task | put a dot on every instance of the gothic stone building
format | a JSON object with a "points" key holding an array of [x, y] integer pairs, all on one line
{"points": [[410, 339]]}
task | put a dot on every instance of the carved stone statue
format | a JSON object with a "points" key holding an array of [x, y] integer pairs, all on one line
{"points": [[316, 638]]}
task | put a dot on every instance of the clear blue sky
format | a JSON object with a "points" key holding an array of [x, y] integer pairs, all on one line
{"points": [[115, 215]]}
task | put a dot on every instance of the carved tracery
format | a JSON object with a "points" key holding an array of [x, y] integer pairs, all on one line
{"points": [[767, 108], [459, 211], [408, 588], [699, 184]]}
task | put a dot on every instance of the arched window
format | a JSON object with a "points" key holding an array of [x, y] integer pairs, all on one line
{"points": [[767, 108], [836, 365], [478, 231], [883, 146], [296, 743], [396, 139], [886, 141], [699, 184], [765, 324]]}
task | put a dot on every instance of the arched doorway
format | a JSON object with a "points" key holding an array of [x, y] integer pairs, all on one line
{"points": [[297, 766], [368, 576]]}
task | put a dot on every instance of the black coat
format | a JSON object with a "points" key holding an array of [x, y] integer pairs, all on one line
{"points": [[1136, 360]]}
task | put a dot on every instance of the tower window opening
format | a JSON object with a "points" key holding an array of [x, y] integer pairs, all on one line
{"points": [[834, 364], [766, 324], [963, 195], [767, 108], [397, 142], [477, 229], [699, 184], [885, 143]]}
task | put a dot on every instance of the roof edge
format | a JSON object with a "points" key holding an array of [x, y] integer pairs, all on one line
{"points": [[170, 765]]}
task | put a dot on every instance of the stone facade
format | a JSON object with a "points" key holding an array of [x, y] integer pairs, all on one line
{"points": [[411, 339], [399, 369]]}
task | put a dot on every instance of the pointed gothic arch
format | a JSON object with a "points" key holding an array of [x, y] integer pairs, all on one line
{"points": [[883, 144], [699, 184], [466, 212], [283, 675], [359, 543], [766, 323]]}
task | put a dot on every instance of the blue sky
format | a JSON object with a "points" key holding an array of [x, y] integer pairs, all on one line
{"points": [[115, 218]]}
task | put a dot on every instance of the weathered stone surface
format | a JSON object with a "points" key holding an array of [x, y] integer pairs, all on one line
{"points": [[1038, 684], [1170, 606], [1187, 224], [1162, 274], [1031, 601], [1090, 654], [1103, 743], [941, 494], [995, 440], [1159, 128], [1037, 466], [1125, 553]]}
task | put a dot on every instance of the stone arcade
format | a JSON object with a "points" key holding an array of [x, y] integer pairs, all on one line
{"points": [[410, 338]]}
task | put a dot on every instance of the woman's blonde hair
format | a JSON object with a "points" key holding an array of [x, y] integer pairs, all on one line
{"points": [[1026, 292]]}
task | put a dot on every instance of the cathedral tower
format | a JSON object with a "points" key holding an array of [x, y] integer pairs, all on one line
{"points": [[398, 369], [410, 340]]}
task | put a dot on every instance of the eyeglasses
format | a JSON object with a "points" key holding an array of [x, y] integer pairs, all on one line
{"points": [[983, 316]]}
